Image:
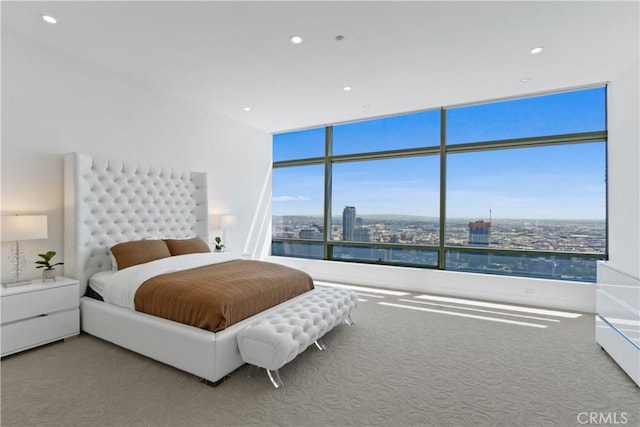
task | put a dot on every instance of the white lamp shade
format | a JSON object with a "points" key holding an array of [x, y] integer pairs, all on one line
{"points": [[219, 221], [228, 221], [215, 222], [24, 227]]}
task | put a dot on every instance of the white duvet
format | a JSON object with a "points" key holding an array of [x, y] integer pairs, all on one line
{"points": [[120, 287]]}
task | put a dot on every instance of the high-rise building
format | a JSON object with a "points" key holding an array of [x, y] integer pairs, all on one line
{"points": [[348, 222], [310, 233], [479, 233], [361, 234]]}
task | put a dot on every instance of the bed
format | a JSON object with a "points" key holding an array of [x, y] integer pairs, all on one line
{"points": [[109, 201]]}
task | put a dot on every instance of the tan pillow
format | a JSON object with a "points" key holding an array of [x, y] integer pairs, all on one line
{"points": [[128, 254], [194, 245]]}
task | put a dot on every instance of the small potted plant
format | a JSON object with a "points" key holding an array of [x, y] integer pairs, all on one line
{"points": [[49, 272], [219, 246]]}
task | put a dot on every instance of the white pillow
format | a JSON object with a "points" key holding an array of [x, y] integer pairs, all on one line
{"points": [[98, 281]]}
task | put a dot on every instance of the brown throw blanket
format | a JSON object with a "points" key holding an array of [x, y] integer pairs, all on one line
{"points": [[216, 296]]}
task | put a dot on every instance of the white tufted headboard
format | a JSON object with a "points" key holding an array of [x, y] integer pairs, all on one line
{"points": [[108, 201]]}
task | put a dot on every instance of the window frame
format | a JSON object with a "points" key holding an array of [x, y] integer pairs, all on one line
{"points": [[443, 149]]}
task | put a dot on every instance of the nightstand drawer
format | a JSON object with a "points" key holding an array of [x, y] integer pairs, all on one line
{"points": [[31, 304], [39, 330]]}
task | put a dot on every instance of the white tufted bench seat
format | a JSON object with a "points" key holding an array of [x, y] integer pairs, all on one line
{"points": [[277, 339]]}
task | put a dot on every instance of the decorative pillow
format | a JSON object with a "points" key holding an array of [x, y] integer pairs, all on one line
{"points": [[128, 254], [194, 245], [114, 263]]}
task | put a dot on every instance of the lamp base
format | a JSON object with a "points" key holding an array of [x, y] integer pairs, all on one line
{"points": [[17, 283]]}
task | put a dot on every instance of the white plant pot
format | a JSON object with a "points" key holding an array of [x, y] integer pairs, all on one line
{"points": [[49, 274]]}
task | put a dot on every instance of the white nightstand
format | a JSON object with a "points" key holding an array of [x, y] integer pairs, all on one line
{"points": [[38, 313]]}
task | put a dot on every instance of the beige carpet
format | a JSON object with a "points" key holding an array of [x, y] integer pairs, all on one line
{"points": [[396, 367]]}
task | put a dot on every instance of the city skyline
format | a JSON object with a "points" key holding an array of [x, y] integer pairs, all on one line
{"points": [[554, 235]]}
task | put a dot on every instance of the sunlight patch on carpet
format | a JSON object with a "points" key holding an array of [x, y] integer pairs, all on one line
{"points": [[511, 307], [362, 288], [470, 316], [501, 313]]}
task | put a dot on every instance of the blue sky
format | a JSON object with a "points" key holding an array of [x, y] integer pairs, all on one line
{"points": [[555, 182]]}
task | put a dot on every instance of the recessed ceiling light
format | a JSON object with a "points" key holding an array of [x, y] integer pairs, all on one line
{"points": [[347, 88], [366, 106], [247, 108], [296, 39], [536, 50], [49, 19], [525, 80]]}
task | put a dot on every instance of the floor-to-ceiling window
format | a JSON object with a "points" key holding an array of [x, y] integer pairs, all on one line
{"points": [[298, 193], [512, 187]]}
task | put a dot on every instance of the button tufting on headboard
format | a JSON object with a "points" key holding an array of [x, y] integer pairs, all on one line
{"points": [[109, 201]]}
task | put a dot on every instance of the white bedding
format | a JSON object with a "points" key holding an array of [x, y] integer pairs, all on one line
{"points": [[98, 281], [120, 287]]}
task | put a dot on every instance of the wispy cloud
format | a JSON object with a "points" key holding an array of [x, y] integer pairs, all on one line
{"points": [[290, 199]]}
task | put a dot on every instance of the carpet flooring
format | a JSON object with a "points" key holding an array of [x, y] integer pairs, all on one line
{"points": [[409, 360]]}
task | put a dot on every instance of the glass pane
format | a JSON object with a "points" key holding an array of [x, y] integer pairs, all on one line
{"points": [[297, 249], [387, 201], [385, 255], [544, 198], [298, 145], [297, 203], [392, 133], [567, 112], [528, 265]]}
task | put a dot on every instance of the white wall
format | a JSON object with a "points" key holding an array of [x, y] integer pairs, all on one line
{"points": [[624, 171], [618, 298], [535, 292], [624, 231], [53, 104]]}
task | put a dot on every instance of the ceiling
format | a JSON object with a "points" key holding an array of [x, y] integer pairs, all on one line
{"points": [[396, 56]]}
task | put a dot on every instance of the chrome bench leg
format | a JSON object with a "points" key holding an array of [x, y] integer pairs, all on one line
{"points": [[252, 370], [320, 345], [274, 376], [348, 320]]}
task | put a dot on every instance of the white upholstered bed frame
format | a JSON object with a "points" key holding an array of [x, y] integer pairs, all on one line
{"points": [[109, 201]]}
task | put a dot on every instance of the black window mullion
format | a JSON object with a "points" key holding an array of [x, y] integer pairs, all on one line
{"points": [[575, 138], [443, 188], [326, 233]]}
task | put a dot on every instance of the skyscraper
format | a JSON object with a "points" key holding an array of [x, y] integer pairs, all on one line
{"points": [[310, 233], [361, 234], [348, 222], [479, 233]]}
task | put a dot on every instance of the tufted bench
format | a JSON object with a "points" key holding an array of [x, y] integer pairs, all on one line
{"points": [[278, 338]]}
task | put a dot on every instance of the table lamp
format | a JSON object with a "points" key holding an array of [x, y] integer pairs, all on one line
{"points": [[18, 228]]}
